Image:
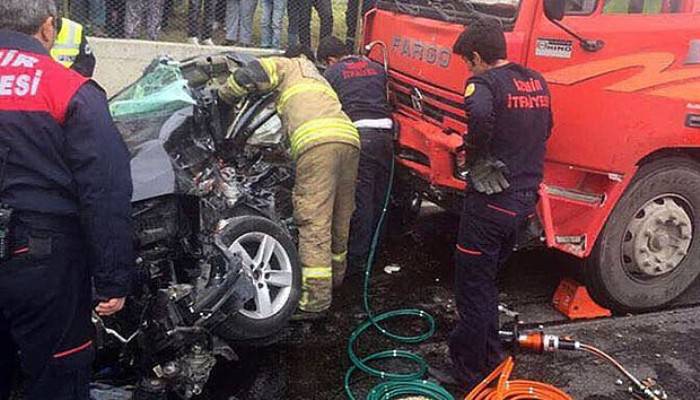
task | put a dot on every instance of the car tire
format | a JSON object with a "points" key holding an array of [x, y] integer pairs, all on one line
{"points": [[648, 253], [277, 280]]}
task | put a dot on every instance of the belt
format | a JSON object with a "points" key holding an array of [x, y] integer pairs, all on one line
{"points": [[380, 123]]}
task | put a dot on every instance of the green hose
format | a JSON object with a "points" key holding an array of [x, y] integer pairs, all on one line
{"points": [[394, 385]]}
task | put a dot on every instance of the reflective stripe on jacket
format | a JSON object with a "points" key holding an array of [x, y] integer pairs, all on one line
{"points": [[307, 104], [67, 46]]}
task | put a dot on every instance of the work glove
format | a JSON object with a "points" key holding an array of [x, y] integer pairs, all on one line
{"points": [[246, 78], [488, 176]]}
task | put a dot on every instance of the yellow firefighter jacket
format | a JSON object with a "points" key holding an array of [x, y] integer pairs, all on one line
{"points": [[306, 103]]}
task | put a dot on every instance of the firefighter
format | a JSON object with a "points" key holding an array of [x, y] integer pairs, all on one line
{"points": [[509, 122], [361, 87], [325, 145], [65, 192], [72, 48]]}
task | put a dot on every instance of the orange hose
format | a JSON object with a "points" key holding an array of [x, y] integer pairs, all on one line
{"points": [[513, 390]]}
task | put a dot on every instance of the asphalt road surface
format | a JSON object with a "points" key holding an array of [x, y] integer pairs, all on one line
{"points": [[312, 359]]}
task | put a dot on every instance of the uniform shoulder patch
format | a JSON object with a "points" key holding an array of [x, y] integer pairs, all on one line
{"points": [[471, 88]]}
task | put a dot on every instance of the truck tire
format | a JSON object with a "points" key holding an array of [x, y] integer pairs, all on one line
{"points": [[271, 257], [648, 253]]}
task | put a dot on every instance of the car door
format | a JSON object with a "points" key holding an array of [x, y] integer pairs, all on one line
{"points": [[614, 104]]}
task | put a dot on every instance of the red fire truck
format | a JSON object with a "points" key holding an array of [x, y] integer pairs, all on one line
{"points": [[622, 174]]}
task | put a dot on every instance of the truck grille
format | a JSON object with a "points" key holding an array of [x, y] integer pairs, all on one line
{"points": [[433, 106]]}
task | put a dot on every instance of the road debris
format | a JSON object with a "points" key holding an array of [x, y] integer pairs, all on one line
{"points": [[391, 268]]}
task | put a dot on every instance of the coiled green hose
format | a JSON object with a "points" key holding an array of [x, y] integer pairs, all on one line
{"points": [[394, 384]]}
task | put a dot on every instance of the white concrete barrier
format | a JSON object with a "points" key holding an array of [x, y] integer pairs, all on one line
{"points": [[120, 61]]}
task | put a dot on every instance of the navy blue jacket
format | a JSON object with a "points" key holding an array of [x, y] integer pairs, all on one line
{"points": [[63, 157], [510, 119], [361, 87]]}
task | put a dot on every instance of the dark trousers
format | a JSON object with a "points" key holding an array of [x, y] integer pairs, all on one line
{"points": [[293, 18], [324, 8], [372, 183], [194, 28], [45, 309], [167, 13], [116, 11], [487, 234], [351, 16]]}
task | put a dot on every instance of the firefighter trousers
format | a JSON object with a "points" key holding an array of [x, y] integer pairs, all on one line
{"points": [[487, 235], [372, 183], [324, 200], [45, 309]]}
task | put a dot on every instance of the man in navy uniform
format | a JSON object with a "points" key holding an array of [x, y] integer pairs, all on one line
{"points": [[65, 214], [361, 87], [509, 122]]}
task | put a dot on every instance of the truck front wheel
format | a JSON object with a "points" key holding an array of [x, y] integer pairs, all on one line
{"points": [[648, 253]]}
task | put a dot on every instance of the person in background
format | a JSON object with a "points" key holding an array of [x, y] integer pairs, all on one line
{"points": [[91, 14], [361, 87], [65, 191], [202, 30], [220, 15], [324, 8], [143, 12], [239, 22], [168, 8], [115, 15], [71, 48], [293, 19], [351, 19], [271, 22]]}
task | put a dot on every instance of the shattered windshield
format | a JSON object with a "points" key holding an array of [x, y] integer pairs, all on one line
{"points": [[457, 11], [163, 89], [141, 110], [165, 130]]}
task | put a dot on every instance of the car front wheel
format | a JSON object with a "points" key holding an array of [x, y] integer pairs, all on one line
{"points": [[270, 258]]}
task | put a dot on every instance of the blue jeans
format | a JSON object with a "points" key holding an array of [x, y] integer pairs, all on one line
{"points": [[143, 12], [271, 23], [239, 21]]}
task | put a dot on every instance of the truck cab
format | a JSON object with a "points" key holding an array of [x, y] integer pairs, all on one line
{"points": [[622, 172]]}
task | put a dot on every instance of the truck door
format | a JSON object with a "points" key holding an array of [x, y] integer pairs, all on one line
{"points": [[610, 105]]}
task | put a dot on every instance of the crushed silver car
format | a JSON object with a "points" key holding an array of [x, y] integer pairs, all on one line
{"points": [[217, 262]]}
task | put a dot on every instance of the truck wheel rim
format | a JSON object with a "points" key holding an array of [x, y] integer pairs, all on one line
{"points": [[266, 261], [658, 238]]}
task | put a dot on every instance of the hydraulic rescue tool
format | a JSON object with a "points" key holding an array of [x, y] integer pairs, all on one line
{"points": [[539, 342]]}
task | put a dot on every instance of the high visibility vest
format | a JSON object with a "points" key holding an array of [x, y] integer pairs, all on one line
{"points": [[67, 46]]}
